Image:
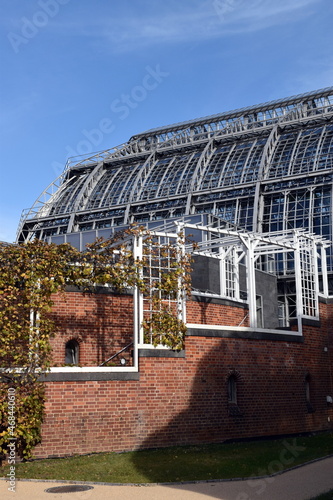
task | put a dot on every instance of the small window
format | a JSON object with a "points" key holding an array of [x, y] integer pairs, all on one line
{"points": [[260, 317], [307, 389], [232, 389], [282, 314], [72, 352], [309, 404]]}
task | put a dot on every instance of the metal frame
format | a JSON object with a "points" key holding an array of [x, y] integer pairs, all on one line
{"points": [[231, 247], [165, 241], [245, 165]]}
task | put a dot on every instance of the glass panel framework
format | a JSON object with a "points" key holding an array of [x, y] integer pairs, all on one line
{"points": [[309, 279], [274, 254], [267, 167], [297, 299], [229, 271]]}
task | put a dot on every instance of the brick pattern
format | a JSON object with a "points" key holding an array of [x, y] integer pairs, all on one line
{"points": [[205, 313], [102, 324], [185, 400]]}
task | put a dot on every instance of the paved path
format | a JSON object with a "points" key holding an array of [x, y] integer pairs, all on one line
{"points": [[301, 483]]}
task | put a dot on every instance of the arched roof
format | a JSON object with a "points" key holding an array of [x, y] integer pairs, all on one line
{"points": [[259, 167]]}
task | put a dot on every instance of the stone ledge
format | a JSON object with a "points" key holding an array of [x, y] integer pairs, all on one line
{"points": [[88, 376], [198, 332]]}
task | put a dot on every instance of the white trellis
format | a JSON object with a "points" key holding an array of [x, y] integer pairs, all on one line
{"points": [[160, 252], [295, 251]]}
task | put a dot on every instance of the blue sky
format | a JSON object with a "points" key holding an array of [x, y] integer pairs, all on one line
{"points": [[80, 76]]}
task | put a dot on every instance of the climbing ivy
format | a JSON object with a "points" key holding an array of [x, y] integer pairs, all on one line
{"points": [[31, 273]]}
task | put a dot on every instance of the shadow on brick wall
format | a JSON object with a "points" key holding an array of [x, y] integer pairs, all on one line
{"points": [[270, 398], [102, 324]]}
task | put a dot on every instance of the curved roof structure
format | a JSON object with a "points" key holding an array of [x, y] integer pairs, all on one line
{"points": [[265, 168]]}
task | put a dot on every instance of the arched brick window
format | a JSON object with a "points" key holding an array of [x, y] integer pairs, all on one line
{"points": [[72, 349], [307, 389], [308, 393], [233, 381], [232, 389]]}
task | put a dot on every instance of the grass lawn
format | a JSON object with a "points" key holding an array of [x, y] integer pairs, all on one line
{"points": [[188, 463]]}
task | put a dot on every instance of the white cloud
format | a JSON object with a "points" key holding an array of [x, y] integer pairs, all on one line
{"points": [[265, 9], [200, 20], [256, 15], [172, 22]]}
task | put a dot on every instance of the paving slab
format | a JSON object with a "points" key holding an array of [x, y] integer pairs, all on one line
{"points": [[299, 483]]}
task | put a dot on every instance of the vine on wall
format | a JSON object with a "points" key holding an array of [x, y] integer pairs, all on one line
{"points": [[29, 276]]}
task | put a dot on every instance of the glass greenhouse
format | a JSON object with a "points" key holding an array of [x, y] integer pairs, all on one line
{"points": [[266, 168]]}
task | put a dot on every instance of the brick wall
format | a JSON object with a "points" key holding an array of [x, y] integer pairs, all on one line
{"points": [[101, 323], [184, 400], [210, 312]]}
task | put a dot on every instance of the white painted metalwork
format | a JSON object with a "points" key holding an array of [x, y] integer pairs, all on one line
{"points": [[266, 168], [294, 248], [160, 256]]}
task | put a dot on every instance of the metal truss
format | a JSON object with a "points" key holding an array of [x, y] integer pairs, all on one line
{"points": [[232, 249], [277, 254], [265, 168]]}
